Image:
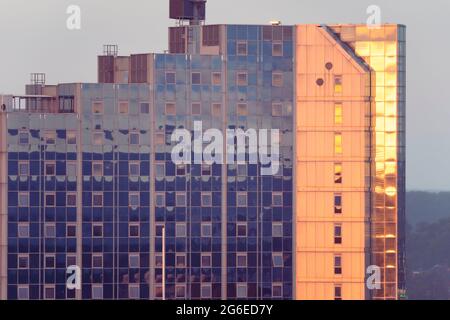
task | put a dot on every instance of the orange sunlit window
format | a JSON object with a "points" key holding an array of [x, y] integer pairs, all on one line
{"points": [[338, 173], [338, 143], [338, 113], [338, 84], [338, 203]]}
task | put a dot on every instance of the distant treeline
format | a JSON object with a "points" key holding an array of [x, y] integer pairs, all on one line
{"points": [[428, 245], [422, 206]]}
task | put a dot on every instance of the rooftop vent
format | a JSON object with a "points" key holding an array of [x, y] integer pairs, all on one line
{"points": [[192, 10]]}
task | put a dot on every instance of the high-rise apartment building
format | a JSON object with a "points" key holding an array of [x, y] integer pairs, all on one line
{"points": [[87, 177]]}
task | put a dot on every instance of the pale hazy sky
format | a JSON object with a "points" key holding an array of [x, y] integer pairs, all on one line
{"points": [[34, 38]]}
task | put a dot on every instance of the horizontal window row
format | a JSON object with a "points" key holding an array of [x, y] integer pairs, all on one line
{"points": [[216, 78], [50, 199], [123, 107], [49, 137]]}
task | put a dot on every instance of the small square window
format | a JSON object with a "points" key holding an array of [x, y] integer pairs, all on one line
{"points": [[216, 110], [24, 169], [23, 230], [181, 200], [97, 169], [206, 170], [160, 139], [97, 261], [170, 109], [97, 230], [123, 107], [134, 199], [23, 138], [134, 292], [196, 78], [23, 199], [181, 170], [206, 291], [160, 200], [277, 49], [277, 230], [206, 230], [145, 108], [277, 290], [97, 138], [242, 109], [242, 79], [50, 261], [278, 260], [158, 291], [158, 260], [71, 200], [135, 169], [134, 261], [180, 230], [50, 200], [23, 293], [180, 291], [217, 78], [97, 199], [241, 48], [180, 260], [241, 170], [196, 109], [50, 168], [134, 230], [49, 292], [277, 199], [337, 203], [242, 199], [97, 292], [160, 169], [241, 260], [206, 260], [50, 230], [241, 230], [134, 138], [71, 137], [71, 260], [277, 110], [241, 291], [71, 230], [50, 137], [22, 261], [277, 79], [97, 107], [71, 169], [206, 199], [170, 78]]}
